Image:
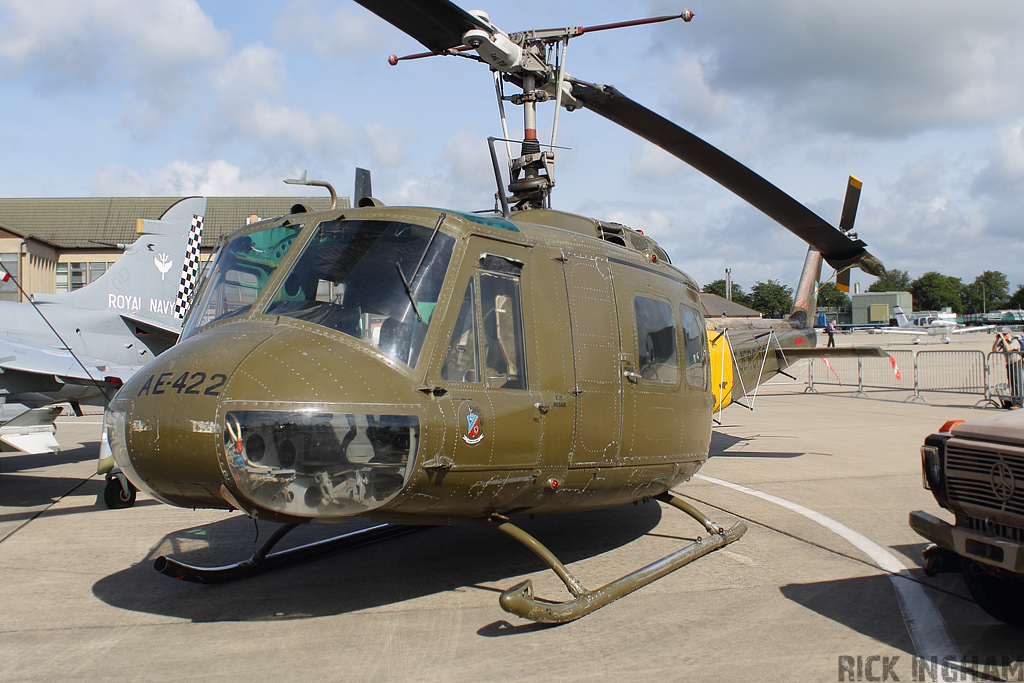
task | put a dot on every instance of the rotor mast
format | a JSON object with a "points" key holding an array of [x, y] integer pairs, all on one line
{"points": [[535, 62]]}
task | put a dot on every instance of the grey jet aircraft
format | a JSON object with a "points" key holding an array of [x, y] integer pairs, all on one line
{"points": [[79, 347]]}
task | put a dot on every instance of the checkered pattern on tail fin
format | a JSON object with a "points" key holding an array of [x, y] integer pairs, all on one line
{"points": [[190, 268]]}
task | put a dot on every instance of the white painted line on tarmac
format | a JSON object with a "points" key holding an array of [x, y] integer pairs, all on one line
{"points": [[924, 622]]}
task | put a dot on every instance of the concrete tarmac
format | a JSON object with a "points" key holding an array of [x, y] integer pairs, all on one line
{"points": [[793, 600]]}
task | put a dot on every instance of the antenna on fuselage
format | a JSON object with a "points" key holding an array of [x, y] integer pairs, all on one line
{"points": [[303, 180]]}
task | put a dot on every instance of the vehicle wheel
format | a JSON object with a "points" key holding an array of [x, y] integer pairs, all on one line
{"points": [[115, 497], [1002, 595]]}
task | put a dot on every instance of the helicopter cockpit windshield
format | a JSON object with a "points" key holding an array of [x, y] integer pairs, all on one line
{"points": [[377, 281], [239, 271]]}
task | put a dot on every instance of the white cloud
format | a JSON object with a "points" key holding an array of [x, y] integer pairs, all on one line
{"points": [[152, 45], [255, 70], [880, 69], [461, 177], [385, 142], [180, 178], [246, 87], [346, 31], [651, 162], [1003, 175]]}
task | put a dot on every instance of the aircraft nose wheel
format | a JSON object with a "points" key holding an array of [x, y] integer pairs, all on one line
{"points": [[119, 492]]}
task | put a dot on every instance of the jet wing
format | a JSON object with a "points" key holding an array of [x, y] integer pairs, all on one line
{"points": [[916, 331], [56, 364], [977, 328], [31, 432]]}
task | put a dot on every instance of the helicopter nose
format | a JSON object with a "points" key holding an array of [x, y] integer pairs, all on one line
{"points": [[291, 424], [162, 426]]}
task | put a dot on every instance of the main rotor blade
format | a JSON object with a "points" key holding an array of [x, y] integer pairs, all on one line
{"points": [[838, 249], [437, 24]]}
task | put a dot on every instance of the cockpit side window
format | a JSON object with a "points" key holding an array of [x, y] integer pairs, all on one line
{"points": [[502, 316], [656, 340], [461, 362], [238, 273], [695, 348], [377, 281]]}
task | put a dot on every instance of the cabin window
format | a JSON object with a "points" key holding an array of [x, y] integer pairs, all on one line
{"points": [[377, 281], [504, 351], [694, 349], [461, 362], [656, 340]]}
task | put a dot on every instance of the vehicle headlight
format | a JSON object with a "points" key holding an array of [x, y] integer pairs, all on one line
{"points": [[931, 468]]}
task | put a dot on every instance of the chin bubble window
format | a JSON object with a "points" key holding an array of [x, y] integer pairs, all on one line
{"points": [[306, 463]]}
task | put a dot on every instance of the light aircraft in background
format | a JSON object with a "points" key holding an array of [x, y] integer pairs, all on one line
{"points": [[943, 324], [79, 347]]}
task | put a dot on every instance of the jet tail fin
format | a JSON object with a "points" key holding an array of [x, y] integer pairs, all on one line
{"points": [[154, 277], [901, 317]]}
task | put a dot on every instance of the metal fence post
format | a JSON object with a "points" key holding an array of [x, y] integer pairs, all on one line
{"points": [[917, 383], [860, 378]]}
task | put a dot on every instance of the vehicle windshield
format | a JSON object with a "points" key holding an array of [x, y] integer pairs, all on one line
{"points": [[377, 281], [238, 273]]}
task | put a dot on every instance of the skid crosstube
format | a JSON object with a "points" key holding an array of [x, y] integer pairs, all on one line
{"points": [[519, 599], [263, 561]]}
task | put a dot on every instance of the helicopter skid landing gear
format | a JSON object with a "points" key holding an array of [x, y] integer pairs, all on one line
{"points": [[519, 599], [263, 561]]}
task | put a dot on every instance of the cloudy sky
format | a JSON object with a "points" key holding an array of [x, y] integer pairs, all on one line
{"points": [[923, 100]]}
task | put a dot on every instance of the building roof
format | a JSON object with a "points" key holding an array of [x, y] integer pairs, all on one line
{"points": [[716, 305], [81, 222]]}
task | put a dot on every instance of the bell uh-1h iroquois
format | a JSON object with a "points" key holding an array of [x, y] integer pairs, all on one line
{"points": [[424, 366]]}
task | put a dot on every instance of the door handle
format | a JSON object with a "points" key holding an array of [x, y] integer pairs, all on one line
{"points": [[633, 377]]}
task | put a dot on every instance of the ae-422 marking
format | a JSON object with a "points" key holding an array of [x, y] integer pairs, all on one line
{"points": [[193, 383]]}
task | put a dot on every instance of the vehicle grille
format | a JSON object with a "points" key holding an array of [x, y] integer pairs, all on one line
{"points": [[1011, 533], [969, 477]]}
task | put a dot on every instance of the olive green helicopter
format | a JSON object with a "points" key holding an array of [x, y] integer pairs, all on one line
{"points": [[423, 366]]}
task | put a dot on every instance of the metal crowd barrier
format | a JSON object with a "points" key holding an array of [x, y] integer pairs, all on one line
{"points": [[959, 372], [997, 377], [864, 373]]}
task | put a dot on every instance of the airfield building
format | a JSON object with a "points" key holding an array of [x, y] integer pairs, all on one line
{"points": [[877, 307], [62, 244]]}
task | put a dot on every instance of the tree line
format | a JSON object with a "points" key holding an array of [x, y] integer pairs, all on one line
{"points": [[932, 291]]}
